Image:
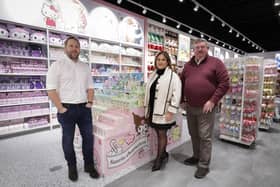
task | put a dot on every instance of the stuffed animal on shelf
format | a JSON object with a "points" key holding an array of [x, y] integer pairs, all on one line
{"points": [[18, 32], [3, 31], [38, 36], [55, 39], [83, 43]]}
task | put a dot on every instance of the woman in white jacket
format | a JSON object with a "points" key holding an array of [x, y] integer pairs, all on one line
{"points": [[162, 99]]}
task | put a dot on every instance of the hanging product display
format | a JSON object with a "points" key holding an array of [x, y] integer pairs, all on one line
{"points": [[241, 106], [269, 85]]}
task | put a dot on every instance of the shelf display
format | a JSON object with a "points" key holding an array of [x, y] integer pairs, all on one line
{"points": [[241, 108], [23, 66], [269, 93]]}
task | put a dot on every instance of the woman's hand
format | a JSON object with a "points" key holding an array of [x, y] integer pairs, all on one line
{"points": [[169, 116]]}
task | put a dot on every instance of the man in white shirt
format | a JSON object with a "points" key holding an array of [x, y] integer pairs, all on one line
{"points": [[70, 88]]}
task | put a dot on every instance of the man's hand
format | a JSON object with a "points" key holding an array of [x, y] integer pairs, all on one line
{"points": [[89, 105], [62, 110], [168, 116], [208, 107]]}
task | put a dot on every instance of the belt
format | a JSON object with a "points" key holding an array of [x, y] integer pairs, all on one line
{"points": [[73, 104]]}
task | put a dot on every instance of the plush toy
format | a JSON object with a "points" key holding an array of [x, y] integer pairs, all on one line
{"points": [[38, 36], [3, 31], [55, 39], [18, 32], [83, 43]]}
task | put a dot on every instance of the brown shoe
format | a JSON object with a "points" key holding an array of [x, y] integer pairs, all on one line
{"points": [[191, 161], [201, 172]]}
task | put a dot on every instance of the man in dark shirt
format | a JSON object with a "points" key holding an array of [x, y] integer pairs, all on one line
{"points": [[205, 81]]}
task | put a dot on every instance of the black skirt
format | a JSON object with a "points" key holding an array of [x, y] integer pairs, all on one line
{"points": [[162, 126]]}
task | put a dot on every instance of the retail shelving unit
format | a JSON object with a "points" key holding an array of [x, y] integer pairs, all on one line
{"points": [[269, 93], [24, 105], [240, 116]]}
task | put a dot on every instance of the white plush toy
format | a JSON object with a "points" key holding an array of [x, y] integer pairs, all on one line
{"points": [[55, 39], [83, 43], [18, 33], [38, 36], [3, 31]]}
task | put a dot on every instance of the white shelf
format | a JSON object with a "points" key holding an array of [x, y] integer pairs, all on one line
{"points": [[23, 130], [104, 40], [27, 116], [229, 138], [154, 50], [107, 75], [104, 63], [23, 74], [127, 44], [265, 127], [26, 41], [62, 46], [27, 90], [23, 103], [107, 52], [24, 57], [132, 65], [128, 55]]}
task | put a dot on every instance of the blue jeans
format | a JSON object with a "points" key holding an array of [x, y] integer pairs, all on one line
{"points": [[81, 115]]}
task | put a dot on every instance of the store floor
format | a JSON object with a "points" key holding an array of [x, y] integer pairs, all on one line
{"points": [[37, 160]]}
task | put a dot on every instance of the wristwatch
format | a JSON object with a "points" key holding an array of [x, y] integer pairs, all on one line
{"points": [[90, 102]]}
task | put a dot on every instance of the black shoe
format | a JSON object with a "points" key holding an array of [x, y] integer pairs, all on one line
{"points": [[164, 157], [93, 173], [72, 173], [157, 165], [191, 161], [201, 172]]}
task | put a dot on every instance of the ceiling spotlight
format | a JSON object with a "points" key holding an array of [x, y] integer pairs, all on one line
{"points": [[217, 42], [209, 39], [178, 26], [253, 45], [263, 51], [119, 1], [164, 20], [243, 39], [276, 3], [229, 47], [144, 11], [212, 18], [257, 47], [181, 1], [224, 45], [237, 35], [230, 30], [223, 24], [201, 35], [190, 31], [279, 13], [196, 8], [249, 42]]}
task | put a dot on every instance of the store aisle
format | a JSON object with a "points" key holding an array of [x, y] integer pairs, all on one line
{"points": [[232, 166], [37, 160]]}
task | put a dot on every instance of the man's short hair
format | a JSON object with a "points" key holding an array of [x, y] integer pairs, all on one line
{"points": [[199, 40], [71, 38]]}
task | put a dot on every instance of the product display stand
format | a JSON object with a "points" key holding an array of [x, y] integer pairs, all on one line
{"points": [[268, 100], [241, 107]]}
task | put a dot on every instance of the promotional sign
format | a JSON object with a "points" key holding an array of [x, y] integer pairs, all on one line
{"points": [[184, 48], [217, 52], [77, 17]]}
